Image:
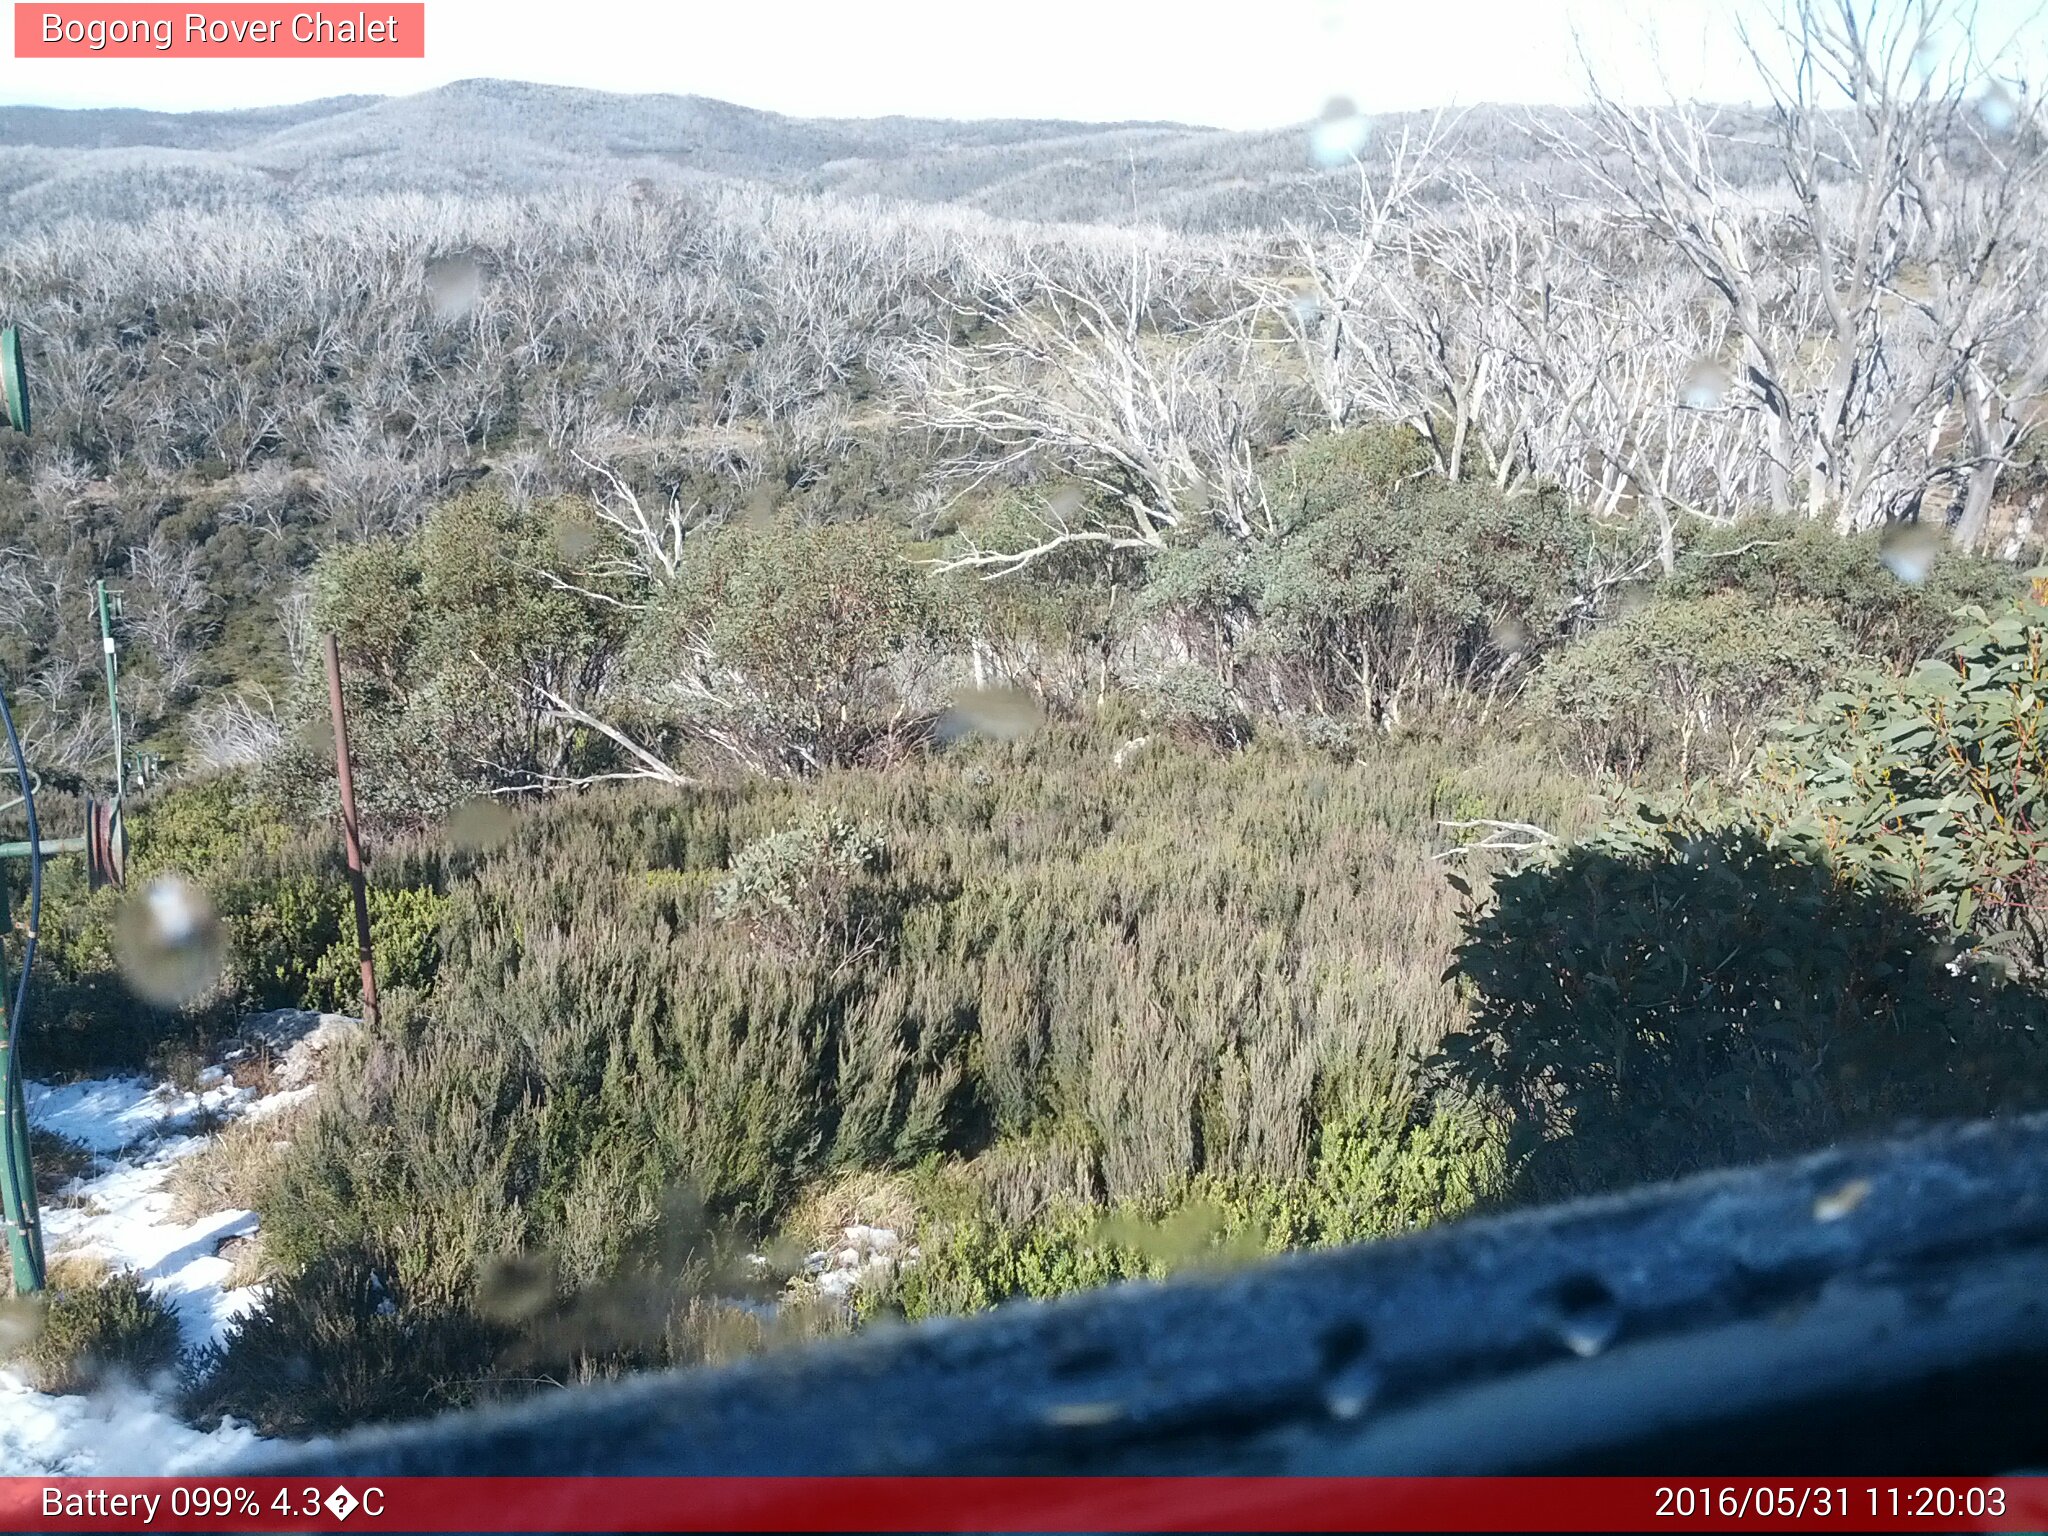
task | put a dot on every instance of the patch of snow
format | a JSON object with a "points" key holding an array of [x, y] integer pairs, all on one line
{"points": [[111, 1114], [298, 1037], [122, 1217], [864, 1257], [120, 1213], [118, 1431], [278, 1102]]}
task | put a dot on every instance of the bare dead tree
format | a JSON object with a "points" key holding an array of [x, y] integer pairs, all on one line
{"points": [[1863, 306], [295, 623], [237, 732], [164, 605], [651, 543], [1124, 390]]}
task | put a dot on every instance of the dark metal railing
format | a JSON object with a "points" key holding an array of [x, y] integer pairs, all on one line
{"points": [[1878, 1308]]}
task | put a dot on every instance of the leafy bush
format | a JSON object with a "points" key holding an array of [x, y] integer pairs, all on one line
{"points": [[1388, 1169], [1675, 992], [1439, 588], [811, 892], [446, 638], [90, 1332], [281, 894], [1380, 593], [405, 937], [1196, 705], [338, 1344], [1694, 679], [980, 1262], [793, 649], [1935, 785], [1333, 472], [1806, 564], [1393, 1167], [1067, 966]]}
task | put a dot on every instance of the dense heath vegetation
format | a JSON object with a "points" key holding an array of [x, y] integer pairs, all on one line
{"points": [[1100, 750]]}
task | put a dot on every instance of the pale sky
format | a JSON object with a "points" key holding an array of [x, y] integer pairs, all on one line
{"points": [[1233, 63]]}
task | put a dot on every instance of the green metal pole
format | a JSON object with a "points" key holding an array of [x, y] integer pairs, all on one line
{"points": [[17, 1175], [48, 846], [17, 1179], [113, 691]]}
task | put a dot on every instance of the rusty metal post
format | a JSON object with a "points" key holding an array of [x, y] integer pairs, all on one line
{"points": [[351, 838]]}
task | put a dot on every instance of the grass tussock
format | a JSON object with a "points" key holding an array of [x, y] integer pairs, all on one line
{"points": [[91, 1327]]}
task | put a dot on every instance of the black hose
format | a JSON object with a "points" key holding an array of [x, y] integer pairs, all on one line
{"points": [[19, 1176]]}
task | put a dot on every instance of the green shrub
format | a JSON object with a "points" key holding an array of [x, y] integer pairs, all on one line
{"points": [[345, 1342], [1674, 992], [1686, 684], [1067, 965], [1388, 1169], [1806, 564], [1934, 786], [1339, 471], [1196, 705], [811, 892], [340, 1344], [441, 637], [792, 649], [83, 1016], [281, 895], [86, 1334], [1390, 600], [1392, 1168], [979, 1263], [1380, 592], [405, 937]]}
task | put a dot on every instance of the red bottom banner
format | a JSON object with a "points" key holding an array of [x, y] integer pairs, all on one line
{"points": [[1022, 1504]]}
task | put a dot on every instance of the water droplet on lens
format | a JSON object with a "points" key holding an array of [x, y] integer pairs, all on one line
{"points": [[1350, 1392], [21, 1320], [1083, 1415], [574, 538], [1350, 1379], [1340, 134], [481, 824], [1705, 386], [1007, 714], [1909, 551], [1586, 1315], [454, 284], [1631, 596], [169, 942], [1837, 1203], [1511, 636], [759, 512], [515, 1286], [1998, 107]]}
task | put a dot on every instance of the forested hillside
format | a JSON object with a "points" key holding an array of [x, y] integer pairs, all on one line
{"points": [[1099, 697]]}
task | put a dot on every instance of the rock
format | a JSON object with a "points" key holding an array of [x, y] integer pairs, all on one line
{"points": [[297, 1037]]}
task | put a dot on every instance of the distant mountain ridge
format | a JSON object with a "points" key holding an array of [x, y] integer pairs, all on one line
{"points": [[480, 136], [118, 127]]}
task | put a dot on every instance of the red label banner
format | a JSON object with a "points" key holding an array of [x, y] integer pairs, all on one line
{"points": [[224, 31], [1049, 1504]]}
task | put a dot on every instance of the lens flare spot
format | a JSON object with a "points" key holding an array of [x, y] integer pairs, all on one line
{"points": [[169, 942], [1340, 135]]}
